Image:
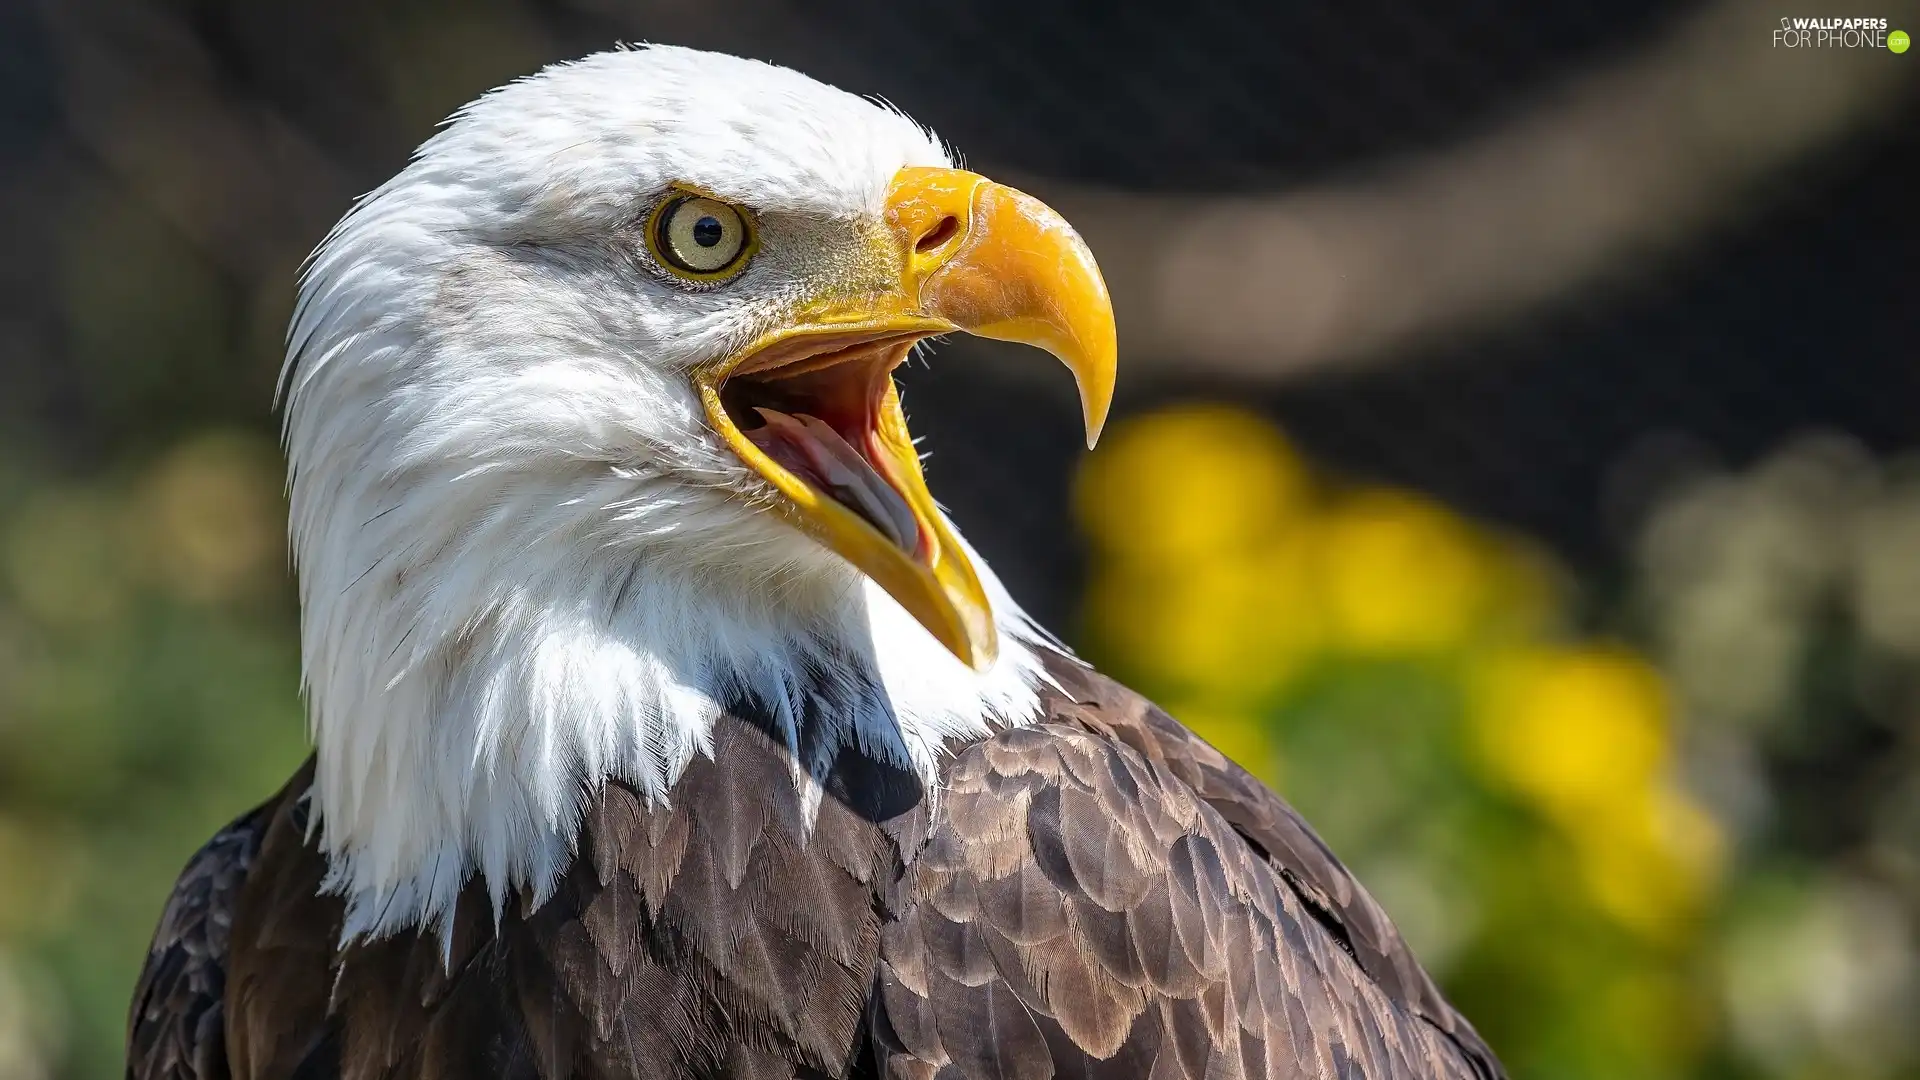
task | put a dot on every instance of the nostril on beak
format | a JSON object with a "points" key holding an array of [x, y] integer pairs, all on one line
{"points": [[941, 232]]}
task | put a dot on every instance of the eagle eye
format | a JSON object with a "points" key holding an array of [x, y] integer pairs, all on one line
{"points": [[701, 239]]}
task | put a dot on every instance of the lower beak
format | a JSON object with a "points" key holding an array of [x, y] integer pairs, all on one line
{"points": [[973, 256]]}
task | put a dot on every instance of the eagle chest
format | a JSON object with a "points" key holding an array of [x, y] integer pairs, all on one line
{"points": [[727, 930], [1074, 907]]}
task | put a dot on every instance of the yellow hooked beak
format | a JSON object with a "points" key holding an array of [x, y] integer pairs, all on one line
{"points": [[972, 255]]}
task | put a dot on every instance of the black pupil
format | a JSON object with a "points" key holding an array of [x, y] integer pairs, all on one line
{"points": [[708, 231]]}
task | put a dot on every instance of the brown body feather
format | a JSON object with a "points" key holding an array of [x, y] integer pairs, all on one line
{"points": [[1100, 894]]}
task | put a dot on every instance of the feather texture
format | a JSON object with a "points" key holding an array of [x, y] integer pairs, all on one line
{"points": [[1097, 893]]}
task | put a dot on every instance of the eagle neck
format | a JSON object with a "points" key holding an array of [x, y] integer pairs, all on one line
{"points": [[479, 760]]}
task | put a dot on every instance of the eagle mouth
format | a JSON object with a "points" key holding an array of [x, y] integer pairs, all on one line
{"points": [[810, 405], [818, 406]]}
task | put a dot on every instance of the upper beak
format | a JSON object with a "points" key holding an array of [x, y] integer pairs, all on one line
{"points": [[971, 255]]}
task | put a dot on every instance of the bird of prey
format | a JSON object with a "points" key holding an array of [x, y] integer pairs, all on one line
{"points": [[664, 726]]}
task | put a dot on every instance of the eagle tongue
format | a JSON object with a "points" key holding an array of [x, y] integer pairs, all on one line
{"points": [[811, 449]]}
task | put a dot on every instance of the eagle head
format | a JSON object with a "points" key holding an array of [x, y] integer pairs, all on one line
{"points": [[592, 433]]}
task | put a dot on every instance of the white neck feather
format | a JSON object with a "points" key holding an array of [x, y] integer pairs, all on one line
{"points": [[473, 689]]}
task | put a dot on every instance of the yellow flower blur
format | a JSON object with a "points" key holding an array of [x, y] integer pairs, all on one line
{"points": [[1400, 574], [1650, 860], [1571, 727], [1188, 483], [1237, 625], [1225, 576]]}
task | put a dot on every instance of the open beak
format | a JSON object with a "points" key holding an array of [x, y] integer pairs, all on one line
{"points": [[811, 406]]}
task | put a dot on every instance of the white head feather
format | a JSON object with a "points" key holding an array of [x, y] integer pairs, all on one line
{"points": [[526, 562]]}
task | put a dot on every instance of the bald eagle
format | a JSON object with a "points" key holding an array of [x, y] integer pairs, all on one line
{"points": [[664, 726]]}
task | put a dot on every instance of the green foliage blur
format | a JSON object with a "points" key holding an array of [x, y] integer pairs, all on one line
{"points": [[148, 694]]}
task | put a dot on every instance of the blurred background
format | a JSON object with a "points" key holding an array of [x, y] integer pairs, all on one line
{"points": [[1517, 464]]}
